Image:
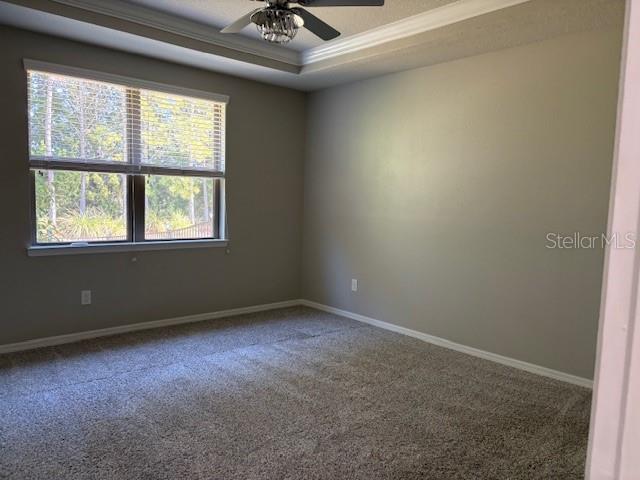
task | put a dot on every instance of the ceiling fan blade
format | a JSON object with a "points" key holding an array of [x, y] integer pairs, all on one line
{"points": [[239, 24], [341, 3], [317, 26]]}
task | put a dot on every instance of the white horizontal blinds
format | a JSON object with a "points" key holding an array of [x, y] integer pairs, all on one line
{"points": [[86, 124], [180, 132], [75, 120]]}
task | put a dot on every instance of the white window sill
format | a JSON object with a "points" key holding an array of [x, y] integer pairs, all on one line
{"points": [[88, 248]]}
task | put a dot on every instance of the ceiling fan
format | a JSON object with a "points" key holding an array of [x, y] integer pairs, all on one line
{"points": [[279, 21]]}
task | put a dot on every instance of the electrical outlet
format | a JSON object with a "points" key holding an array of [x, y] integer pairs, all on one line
{"points": [[354, 285], [85, 297]]}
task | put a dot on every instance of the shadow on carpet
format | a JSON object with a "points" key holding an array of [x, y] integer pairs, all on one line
{"points": [[285, 394]]}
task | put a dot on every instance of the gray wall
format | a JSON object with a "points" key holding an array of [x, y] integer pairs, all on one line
{"points": [[41, 296], [436, 187]]}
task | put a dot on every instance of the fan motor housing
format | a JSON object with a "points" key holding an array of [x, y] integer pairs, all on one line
{"points": [[277, 24]]}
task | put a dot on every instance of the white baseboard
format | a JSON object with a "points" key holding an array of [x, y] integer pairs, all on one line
{"points": [[104, 332], [511, 362]]}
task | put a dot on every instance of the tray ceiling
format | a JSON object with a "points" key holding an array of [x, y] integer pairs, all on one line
{"points": [[348, 20], [375, 43]]}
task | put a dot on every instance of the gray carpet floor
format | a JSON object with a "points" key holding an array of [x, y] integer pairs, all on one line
{"points": [[286, 394]]}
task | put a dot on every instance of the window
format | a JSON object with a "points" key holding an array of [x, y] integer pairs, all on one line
{"points": [[115, 160]]}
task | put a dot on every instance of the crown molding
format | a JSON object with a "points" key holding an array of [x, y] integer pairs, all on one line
{"points": [[58, 18], [183, 27], [423, 22], [457, 11], [449, 14]]}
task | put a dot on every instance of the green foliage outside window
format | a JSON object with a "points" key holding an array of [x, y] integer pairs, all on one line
{"points": [[76, 119]]}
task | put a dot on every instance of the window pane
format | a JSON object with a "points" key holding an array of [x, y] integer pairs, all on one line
{"points": [[179, 207], [80, 207], [181, 132], [76, 119]]}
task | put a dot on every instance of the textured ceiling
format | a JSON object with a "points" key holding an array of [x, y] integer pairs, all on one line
{"points": [[348, 20], [532, 21]]}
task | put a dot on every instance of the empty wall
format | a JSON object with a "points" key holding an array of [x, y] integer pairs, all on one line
{"points": [[436, 188]]}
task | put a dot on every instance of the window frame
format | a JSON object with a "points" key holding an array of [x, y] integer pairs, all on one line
{"points": [[135, 173]]}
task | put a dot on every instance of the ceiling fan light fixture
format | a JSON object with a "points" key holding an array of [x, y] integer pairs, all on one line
{"points": [[277, 25]]}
